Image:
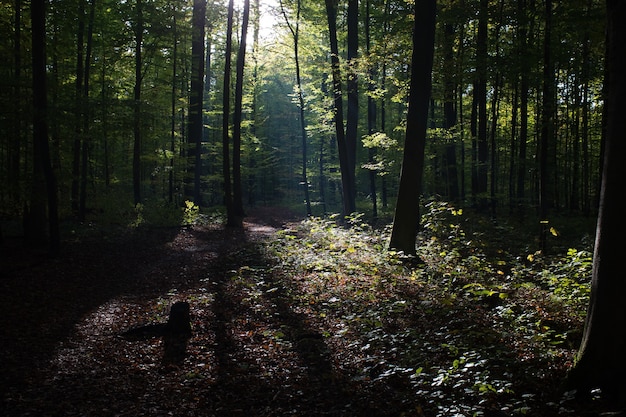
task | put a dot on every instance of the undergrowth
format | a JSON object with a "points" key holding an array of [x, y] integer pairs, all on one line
{"points": [[475, 328]]}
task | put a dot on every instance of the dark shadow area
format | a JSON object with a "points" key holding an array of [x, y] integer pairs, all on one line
{"points": [[41, 299]]}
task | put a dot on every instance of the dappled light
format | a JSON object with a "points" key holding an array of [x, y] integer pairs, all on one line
{"points": [[312, 318]]}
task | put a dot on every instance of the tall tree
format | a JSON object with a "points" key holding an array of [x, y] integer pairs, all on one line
{"points": [[294, 28], [196, 98], [481, 163], [371, 108], [42, 164], [347, 174], [600, 361], [407, 215], [352, 116], [228, 196], [138, 28], [237, 116], [86, 116], [547, 156]]}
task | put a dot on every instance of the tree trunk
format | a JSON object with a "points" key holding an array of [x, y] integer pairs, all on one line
{"points": [[371, 114], [195, 116], [481, 91], [78, 134], [82, 206], [137, 104], [600, 361], [407, 214], [449, 115], [547, 156], [42, 165], [295, 34], [173, 101], [352, 117], [241, 59], [228, 197], [347, 180]]}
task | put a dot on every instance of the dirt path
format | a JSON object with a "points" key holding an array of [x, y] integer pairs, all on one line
{"points": [[250, 353]]}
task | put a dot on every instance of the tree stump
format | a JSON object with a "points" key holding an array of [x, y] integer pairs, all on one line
{"points": [[177, 333], [179, 322]]}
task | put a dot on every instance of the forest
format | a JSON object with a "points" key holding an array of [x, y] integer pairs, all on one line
{"points": [[375, 207]]}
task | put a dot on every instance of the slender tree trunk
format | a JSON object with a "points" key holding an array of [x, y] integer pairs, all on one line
{"points": [[42, 165], [352, 117], [371, 113], [228, 197], [82, 207], [139, 28], [237, 116], [294, 28], [14, 151], [78, 134], [173, 102], [547, 156], [407, 214], [481, 87], [525, 45], [449, 115], [195, 116], [347, 180]]}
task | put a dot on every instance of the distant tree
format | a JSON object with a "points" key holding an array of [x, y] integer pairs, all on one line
{"points": [[228, 193], [352, 87], [547, 150], [407, 214], [479, 185], [600, 362], [196, 97], [347, 173], [294, 28], [43, 174], [237, 116], [138, 28]]}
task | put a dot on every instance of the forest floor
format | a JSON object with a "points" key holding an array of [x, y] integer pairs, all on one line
{"points": [[261, 344]]}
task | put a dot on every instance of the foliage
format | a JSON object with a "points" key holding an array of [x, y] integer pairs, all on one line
{"points": [[457, 329]]}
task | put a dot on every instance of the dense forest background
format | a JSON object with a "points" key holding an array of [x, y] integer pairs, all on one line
{"points": [[516, 107]]}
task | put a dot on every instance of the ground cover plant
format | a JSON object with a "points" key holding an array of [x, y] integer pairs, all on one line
{"points": [[300, 317]]}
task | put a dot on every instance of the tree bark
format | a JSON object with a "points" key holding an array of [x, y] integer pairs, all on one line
{"points": [[295, 34], [228, 197], [600, 361], [547, 156], [42, 165], [139, 27], [407, 214], [237, 117], [196, 98], [347, 180]]}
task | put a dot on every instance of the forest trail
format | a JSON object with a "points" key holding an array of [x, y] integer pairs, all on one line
{"points": [[250, 353]]}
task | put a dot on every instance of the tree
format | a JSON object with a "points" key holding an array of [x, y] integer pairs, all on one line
{"points": [[237, 116], [42, 165], [295, 34], [196, 99], [547, 156], [228, 197], [352, 116], [347, 174], [407, 214], [600, 361], [138, 28]]}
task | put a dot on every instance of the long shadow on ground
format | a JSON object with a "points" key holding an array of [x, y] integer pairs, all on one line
{"points": [[250, 353]]}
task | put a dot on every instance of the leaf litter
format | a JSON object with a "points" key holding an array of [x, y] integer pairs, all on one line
{"points": [[290, 318]]}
